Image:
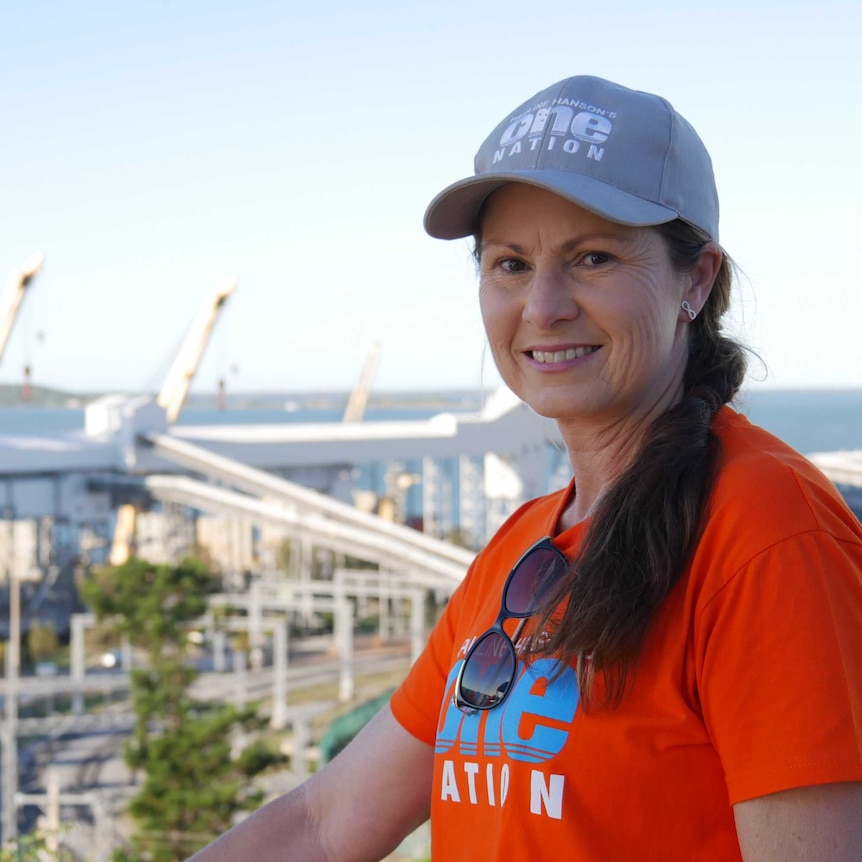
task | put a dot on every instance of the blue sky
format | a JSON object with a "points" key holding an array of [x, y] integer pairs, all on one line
{"points": [[152, 149]]}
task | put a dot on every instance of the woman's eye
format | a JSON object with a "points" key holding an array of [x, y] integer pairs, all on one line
{"points": [[512, 264], [595, 258]]}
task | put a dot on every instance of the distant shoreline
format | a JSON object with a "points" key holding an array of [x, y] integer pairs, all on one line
{"points": [[11, 395]]}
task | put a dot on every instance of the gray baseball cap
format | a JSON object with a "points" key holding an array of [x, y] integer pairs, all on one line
{"points": [[626, 155]]}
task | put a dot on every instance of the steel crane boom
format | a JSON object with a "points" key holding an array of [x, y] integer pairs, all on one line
{"points": [[355, 410], [175, 389], [10, 300]]}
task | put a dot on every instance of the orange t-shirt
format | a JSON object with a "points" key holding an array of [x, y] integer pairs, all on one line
{"points": [[750, 682]]}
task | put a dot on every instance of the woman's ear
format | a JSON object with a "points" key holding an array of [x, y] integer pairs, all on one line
{"points": [[702, 277]]}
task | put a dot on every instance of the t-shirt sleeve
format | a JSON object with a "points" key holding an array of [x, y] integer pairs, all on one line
{"points": [[416, 702], [779, 651]]}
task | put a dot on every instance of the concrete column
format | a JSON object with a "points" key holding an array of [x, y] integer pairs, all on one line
{"points": [[52, 816], [44, 544], [9, 766], [362, 611], [255, 630], [344, 627], [306, 560], [76, 659], [219, 642], [239, 660], [279, 683], [338, 593], [417, 623], [384, 627]]}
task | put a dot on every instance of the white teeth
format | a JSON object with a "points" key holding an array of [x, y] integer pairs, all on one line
{"points": [[562, 355]]}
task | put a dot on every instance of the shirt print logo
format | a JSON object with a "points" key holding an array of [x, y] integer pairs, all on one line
{"points": [[531, 727], [527, 727]]}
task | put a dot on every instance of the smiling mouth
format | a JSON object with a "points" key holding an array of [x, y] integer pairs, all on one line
{"points": [[547, 357]]}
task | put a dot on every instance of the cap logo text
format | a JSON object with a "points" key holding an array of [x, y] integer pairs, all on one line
{"points": [[557, 121]]}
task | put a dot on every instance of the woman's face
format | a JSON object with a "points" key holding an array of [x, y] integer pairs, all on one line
{"points": [[583, 315]]}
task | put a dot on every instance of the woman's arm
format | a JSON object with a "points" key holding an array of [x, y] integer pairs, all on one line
{"points": [[808, 824], [357, 808]]}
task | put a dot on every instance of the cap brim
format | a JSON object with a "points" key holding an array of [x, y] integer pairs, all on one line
{"points": [[453, 213]]}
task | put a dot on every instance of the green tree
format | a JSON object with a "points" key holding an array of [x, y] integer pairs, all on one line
{"points": [[42, 641], [193, 785], [24, 847]]}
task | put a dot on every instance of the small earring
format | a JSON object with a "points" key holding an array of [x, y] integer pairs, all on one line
{"points": [[686, 307]]}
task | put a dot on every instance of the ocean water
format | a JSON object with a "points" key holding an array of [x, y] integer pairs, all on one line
{"points": [[808, 420]]}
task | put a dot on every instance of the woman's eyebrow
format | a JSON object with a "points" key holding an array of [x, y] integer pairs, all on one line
{"points": [[621, 236], [567, 246], [501, 243]]}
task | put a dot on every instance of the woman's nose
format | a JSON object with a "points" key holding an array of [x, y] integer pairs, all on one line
{"points": [[550, 299]]}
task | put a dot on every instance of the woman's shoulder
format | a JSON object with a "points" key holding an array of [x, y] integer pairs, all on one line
{"points": [[765, 491]]}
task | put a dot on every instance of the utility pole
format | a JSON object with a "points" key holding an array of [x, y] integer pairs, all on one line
{"points": [[10, 726]]}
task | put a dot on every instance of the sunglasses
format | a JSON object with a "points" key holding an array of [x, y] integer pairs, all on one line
{"points": [[489, 668]]}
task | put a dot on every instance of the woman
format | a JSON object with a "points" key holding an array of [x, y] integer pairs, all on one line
{"points": [[664, 660]]}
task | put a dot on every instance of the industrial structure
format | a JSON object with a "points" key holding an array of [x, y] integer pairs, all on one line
{"points": [[275, 507], [278, 508]]}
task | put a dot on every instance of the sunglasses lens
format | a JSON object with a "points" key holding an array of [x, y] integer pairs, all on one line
{"points": [[488, 671], [531, 579]]}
